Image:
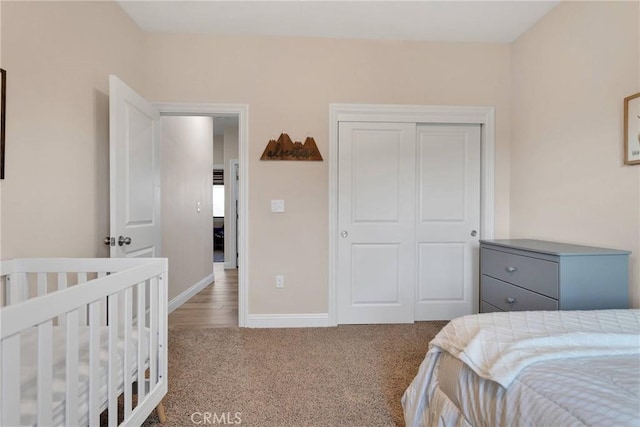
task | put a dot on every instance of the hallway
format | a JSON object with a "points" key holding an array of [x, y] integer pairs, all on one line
{"points": [[216, 306]]}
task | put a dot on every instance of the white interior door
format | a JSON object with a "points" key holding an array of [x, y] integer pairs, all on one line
{"points": [[376, 220], [447, 228], [134, 173]]}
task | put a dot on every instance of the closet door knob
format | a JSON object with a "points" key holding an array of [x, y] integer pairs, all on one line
{"points": [[344, 234], [511, 269], [124, 240], [511, 300]]}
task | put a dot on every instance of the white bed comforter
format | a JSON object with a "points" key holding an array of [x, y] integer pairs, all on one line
{"points": [[497, 346], [590, 373]]}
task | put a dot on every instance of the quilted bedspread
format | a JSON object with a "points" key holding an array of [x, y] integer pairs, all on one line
{"points": [[497, 346], [484, 370]]}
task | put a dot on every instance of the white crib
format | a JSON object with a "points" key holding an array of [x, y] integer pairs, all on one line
{"points": [[73, 342]]}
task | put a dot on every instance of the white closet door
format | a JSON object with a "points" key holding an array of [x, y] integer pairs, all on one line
{"points": [[376, 219], [448, 220]]}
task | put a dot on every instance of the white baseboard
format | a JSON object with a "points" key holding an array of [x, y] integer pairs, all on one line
{"points": [[186, 295], [288, 320]]}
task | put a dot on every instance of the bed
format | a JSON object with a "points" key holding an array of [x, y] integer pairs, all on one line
{"points": [[80, 337], [542, 368]]}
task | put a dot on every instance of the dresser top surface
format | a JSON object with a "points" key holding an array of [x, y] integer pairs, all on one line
{"points": [[553, 248]]}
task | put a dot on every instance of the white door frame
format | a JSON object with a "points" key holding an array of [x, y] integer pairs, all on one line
{"points": [[242, 110], [483, 115], [230, 260]]}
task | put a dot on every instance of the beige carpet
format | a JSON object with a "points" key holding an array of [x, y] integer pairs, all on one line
{"points": [[346, 376]]}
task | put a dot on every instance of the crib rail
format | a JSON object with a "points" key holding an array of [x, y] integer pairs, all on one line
{"points": [[127, 298]]}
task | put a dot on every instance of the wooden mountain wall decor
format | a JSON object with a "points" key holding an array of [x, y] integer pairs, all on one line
{"points": [[285, 149]]}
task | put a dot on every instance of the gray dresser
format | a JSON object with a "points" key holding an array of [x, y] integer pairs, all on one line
{"points": [[520, 274]]}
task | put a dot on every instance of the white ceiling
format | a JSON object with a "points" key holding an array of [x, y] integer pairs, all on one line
{"points": [[463, 21]]}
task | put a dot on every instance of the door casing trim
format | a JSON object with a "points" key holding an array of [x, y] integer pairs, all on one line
{"points": [[230, 262], [420, 114]]}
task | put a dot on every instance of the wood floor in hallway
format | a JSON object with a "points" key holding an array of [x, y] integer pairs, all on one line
{"points": [[216, 306]]}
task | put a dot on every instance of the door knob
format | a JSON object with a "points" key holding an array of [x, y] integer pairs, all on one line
{"points": [[124, 240], [344, 234], [110, 241], [474, 233]]}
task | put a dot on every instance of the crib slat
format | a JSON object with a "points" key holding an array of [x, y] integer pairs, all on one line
{"points": [[7, 290], [153, 342], [82, 312], [42, 284], [13, 288], [141, 328], [112, 303], [45, 373], [128, 329], [103, 302], [71, 405], [10, 352], [18, 288], [94, 363], [62, 281], [62, 284], [23, 283], [162, 333]]}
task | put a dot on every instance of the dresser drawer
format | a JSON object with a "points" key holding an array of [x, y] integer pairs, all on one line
{"points": [[488, 308], [531, 273], [499, 294]]}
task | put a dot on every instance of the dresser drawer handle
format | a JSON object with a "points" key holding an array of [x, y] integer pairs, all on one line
{"points": [[511, 300], [511, 269]]}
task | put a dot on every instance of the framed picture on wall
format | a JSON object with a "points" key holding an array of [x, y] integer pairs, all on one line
{"points": [[3, 108], [632, 130]]}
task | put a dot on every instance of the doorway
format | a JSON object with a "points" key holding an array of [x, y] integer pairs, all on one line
{"points": [[241, 113], [218, 203], [400, 291], [225, 190]]}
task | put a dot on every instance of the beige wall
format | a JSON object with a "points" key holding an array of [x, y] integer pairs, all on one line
{"points": [[571, 73], [58, 57], [230, 139], [187, 236], [218, 149], [565, 177], [289, 84]]}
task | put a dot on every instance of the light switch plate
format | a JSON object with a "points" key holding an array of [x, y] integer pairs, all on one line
{"points": [[277, 206]]}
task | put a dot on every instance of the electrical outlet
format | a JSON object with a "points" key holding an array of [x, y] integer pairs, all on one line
{"points": [[279, 281]]}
